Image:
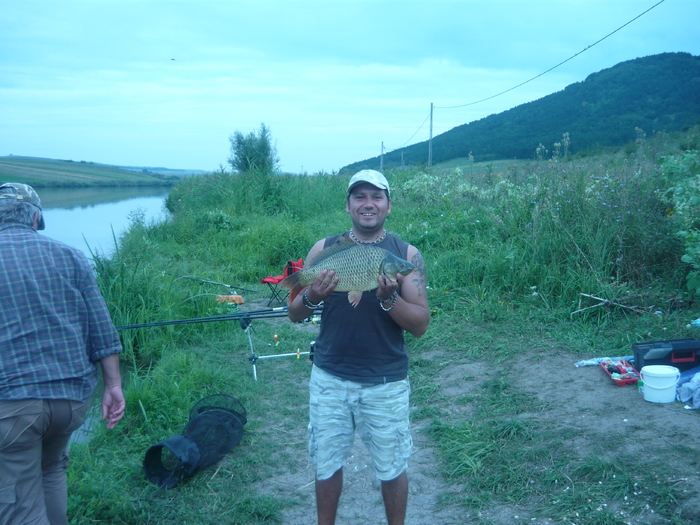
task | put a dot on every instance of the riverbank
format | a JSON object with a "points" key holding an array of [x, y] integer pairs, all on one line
{"points": [[507, 429]]}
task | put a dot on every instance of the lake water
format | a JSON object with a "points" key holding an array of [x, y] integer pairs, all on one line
{"points": [[91, 218]]}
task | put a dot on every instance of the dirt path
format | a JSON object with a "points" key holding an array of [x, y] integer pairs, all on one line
{"points": [[361, 502], [602, 414]]}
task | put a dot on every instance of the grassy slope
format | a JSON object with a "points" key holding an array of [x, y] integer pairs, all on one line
{"points": [[48, 172], [652, 93], [508, 250]]}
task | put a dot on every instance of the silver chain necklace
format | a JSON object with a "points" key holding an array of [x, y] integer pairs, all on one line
{"points": [[368, 243]]}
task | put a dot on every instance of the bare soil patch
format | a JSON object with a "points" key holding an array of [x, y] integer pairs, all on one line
{"points": [[582, 402]]}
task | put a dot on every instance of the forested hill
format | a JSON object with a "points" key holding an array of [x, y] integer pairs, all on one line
{"points": [[654, 93]]}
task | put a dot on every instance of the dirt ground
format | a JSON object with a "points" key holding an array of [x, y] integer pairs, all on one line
{"points": [[580, 398]]}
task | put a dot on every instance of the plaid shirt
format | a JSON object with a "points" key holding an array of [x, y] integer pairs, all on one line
{"points": [[54, 323]]}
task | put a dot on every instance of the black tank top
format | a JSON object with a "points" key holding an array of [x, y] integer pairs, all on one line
{"points": [[362, 344]]}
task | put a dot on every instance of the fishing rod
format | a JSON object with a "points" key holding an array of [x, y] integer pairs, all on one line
{"points": [[255, 314], [212, 282]]}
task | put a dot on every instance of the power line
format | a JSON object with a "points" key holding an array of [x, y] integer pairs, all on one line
{"points": [[533, 78], [552, 68], [419, 128]]}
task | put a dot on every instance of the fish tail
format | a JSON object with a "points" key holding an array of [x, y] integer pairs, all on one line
{"points": [[292, 283], [294, 291]]}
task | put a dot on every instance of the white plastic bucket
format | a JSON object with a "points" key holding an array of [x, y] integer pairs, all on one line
{"points": [[660, 383]]}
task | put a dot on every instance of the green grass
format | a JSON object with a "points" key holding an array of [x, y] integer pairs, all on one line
{"points": [[509, 249], [40, 172], [159, 398]]}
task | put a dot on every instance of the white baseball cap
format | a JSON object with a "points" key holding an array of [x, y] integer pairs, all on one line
{"points": [[372, 177]]}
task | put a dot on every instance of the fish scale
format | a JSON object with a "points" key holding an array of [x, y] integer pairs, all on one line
{"points": [[357, 267]]}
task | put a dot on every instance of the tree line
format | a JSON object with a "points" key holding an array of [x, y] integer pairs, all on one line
{"points": [[654, 93]]}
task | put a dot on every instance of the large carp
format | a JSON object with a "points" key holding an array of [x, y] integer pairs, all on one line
{"points": [[357, 267]]}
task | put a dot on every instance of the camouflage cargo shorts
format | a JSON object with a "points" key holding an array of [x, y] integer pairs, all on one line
{"points": [[379, 413]]}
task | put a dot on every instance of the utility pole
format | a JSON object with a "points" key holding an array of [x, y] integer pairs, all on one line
{"points": [[430, 140], [381, 159]]}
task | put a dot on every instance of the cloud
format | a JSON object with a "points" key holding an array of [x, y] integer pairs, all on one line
{"points": [[95, 80]]}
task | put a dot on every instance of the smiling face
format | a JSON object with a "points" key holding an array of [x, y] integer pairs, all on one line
{"points": [[368, 207]]}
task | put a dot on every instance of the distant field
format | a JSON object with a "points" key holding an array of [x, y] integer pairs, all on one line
{"points": [[52, 173]]}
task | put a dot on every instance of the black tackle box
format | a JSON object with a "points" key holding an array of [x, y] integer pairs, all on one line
{"points": [[681, 353]]}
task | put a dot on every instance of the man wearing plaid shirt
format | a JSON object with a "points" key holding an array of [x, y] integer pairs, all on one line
{"points": [[54, 330]]}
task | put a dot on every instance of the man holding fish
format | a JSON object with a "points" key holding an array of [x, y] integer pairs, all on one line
{"points": [[370, 294]]}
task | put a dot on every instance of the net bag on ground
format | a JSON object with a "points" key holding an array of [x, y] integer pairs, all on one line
{"points": [[214, 428]]}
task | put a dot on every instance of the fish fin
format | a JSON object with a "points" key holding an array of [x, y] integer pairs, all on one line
{"points": [[354, 297], [343, 244], [294, 291], [290, 281]]}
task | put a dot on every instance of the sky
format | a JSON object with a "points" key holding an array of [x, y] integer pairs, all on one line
{"points": [[166, 83]]}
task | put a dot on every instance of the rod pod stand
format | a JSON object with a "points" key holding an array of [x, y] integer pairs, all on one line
{"points": [[246, 326]]}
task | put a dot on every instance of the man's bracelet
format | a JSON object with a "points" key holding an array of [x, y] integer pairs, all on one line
{"points": [[393, 302], [307, 302]]}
